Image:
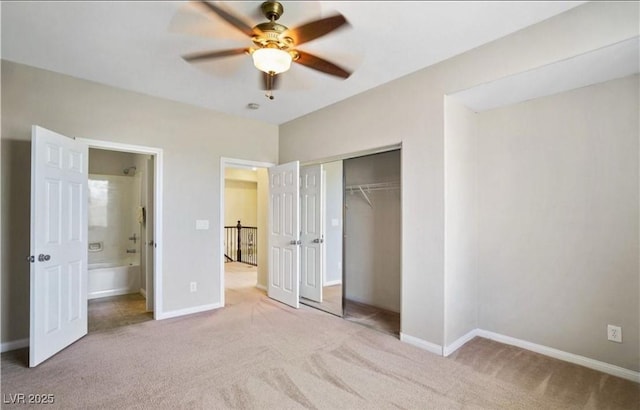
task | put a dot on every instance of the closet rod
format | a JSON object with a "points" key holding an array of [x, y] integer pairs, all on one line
{"points": [[380, 186]]}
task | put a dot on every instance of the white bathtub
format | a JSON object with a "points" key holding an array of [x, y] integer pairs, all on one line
{"points": [[111, 279]]}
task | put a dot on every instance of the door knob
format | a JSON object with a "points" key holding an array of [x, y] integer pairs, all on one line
{"points": [[43, 258], [318, 240]]}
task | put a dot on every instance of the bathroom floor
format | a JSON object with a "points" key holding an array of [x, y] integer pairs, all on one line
{"points": [[116, 311]]}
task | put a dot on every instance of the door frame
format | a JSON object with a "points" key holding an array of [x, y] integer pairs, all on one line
{"points": [[158, 312], [224, 164]]}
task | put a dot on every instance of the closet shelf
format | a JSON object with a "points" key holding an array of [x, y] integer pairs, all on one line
{"points": [[364, 189]]}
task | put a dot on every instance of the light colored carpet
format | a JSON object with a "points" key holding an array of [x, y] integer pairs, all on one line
{"points": [[259, 354]]}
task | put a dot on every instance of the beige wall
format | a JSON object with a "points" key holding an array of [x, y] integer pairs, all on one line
{"points": [[461, 224], [263, 215], [410, 111], [193, 140], [238, 174], [558, 221], [240, 202]]}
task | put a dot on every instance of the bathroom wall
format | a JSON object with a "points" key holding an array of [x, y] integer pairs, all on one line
{"points": [[107, 162], [144, 165], [113, 201], [114, 198]]}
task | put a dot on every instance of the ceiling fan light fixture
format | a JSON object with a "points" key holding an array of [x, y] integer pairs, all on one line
{"points": [[271, 60]]}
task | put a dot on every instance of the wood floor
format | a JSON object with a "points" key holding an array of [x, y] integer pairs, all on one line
{"points": [[117, 311]]}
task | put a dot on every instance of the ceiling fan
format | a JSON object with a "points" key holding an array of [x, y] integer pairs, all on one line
{"points": [[275, 45]]}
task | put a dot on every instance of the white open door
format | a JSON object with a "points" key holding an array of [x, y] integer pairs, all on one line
{"points": [[58, 294], [284, 231], [311, 272]]}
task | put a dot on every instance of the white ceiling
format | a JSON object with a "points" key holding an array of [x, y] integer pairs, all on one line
{"points": [[137, 46]]}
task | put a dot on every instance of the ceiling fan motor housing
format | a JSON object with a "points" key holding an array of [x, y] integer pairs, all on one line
{"points": [[271, 36], [272, 10]]}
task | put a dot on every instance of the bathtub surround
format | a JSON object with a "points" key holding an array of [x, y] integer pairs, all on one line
{"points": [[113, 201], [114, 235], [112, 279]]}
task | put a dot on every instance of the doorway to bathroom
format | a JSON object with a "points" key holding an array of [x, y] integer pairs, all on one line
{"points": [[59, 243], [120, 238]]}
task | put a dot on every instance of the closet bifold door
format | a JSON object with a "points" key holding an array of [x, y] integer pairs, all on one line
{"points": [[311, 236]]}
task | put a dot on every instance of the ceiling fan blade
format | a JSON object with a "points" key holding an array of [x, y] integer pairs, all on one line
{"points": [[316, 28], [226, 16], [206, 55], [270, 82], [320, 64]]}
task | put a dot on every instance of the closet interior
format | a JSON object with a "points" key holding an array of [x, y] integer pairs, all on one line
{"points": [[362, 238]]}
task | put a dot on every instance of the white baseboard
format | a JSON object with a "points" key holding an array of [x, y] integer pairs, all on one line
{"points": [[447, 350], [562, 355], [143, 292], [333, 282], [422, 344], [261, 287], [545, 350], [14, 344], [188, 311]]}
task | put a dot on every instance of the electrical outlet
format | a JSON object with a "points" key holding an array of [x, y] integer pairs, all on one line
{"points": [[614, 333], [193, 286]]}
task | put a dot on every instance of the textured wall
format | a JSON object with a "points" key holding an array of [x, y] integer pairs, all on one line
{"points": [[558, 221], [192, 139]]}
